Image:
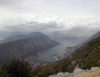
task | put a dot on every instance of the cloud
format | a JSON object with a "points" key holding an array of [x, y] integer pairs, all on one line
{"points": [[4, 2], [33, 26], [72, 36], [27, 9], [73, 20]]}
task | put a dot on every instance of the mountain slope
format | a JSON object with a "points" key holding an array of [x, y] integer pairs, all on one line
{"points": [[25, 47], [85, 57]]}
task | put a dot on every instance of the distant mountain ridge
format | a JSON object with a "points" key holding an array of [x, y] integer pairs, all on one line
{"points": [[25, 46], [22, 36]]}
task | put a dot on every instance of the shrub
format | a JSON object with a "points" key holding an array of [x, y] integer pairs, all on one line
{"points": [[16, 68]]}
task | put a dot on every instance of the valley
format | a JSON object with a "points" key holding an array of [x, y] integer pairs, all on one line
{"points": [[49, 38], [53, 54]]}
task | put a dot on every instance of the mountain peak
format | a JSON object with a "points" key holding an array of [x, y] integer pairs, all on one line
{"points": [[25, 46]]}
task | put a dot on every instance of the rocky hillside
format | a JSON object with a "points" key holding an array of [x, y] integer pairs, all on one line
{"points": [[85, 57], [94, 72], [25, 46]]}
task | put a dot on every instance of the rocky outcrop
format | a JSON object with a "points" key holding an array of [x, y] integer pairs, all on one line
{"points": [[94, 72]]}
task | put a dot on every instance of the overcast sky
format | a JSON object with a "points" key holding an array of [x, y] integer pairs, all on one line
{"points": [[68, 13], [45, 10], [70, 18]]}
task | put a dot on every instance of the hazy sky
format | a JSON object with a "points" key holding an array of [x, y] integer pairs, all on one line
{"points": [[79, 18], [45, 10], [68, 13]]}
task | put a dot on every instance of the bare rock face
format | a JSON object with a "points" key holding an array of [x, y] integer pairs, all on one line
{"points": [[61, 74], [94, 72]]}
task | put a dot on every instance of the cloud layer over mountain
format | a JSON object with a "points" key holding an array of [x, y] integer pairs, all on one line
{"points": [[71, 35], [60, 19]]}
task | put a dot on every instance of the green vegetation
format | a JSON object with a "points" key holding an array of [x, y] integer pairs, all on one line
{"points": [[16, 68], [88, 55], [85, 57]]}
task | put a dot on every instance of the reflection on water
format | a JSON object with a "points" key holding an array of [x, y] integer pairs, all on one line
{"points": [[53, 54]]}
